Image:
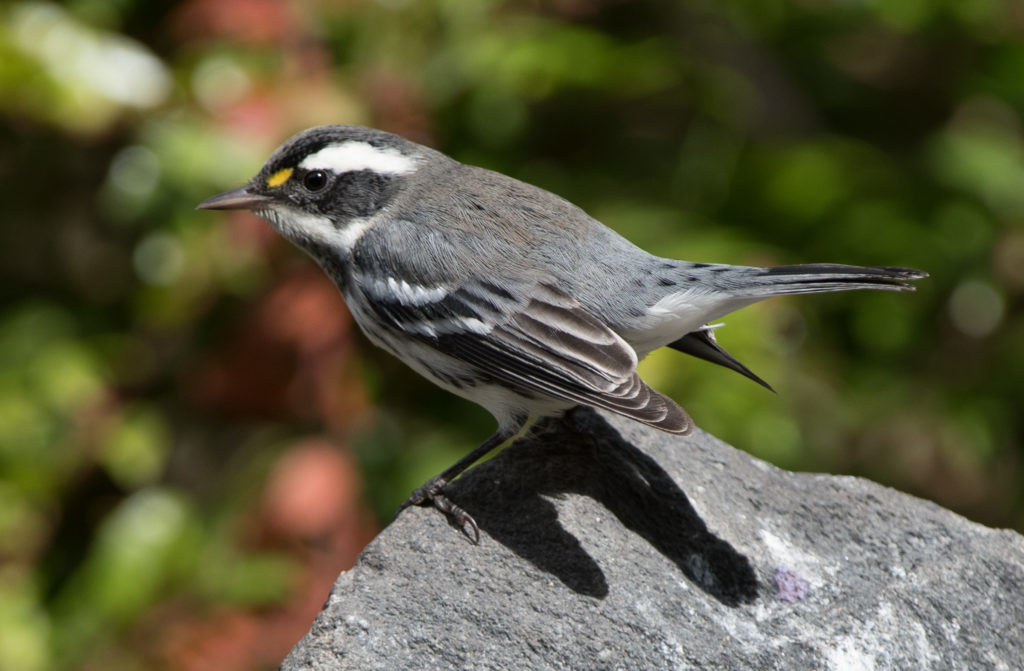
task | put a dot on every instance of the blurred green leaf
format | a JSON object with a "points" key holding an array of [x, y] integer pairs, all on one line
{"points": [[25, 630]]}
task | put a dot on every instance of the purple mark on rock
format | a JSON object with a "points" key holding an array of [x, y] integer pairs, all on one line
{"points": [[791, 586]]}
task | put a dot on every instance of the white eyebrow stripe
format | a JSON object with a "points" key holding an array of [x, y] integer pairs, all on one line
{"points": [[350, 156]]}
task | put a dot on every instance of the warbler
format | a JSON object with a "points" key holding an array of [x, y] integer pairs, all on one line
{"points": [[502, 292]]}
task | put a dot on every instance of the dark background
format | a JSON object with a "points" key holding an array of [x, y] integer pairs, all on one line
{"points": [[193, 437]]}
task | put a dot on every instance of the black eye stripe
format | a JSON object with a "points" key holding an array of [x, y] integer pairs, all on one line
{"points": [[315, 180]]}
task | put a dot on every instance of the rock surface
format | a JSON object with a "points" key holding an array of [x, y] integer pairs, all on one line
{"points": [[608, 545]]}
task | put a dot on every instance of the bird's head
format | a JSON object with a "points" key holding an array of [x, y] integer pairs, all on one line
{"points": [[323, 180]]}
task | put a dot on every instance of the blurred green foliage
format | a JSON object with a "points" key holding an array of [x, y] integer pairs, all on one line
{"points": [[158, 365]]}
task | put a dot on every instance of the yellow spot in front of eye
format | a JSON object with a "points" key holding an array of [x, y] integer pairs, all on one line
{"points": [[279, 177]]}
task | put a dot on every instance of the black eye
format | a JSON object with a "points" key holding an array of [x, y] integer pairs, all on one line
{"points": [[315, 180]]}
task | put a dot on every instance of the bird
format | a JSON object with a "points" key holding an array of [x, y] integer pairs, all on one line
{"points": [[502, 292]]}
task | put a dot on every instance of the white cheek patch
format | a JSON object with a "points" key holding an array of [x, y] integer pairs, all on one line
{"points": [[298, 226], [348, 236], [350, 156]]}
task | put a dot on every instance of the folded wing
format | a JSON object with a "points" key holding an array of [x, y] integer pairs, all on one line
{"points": [[532, 337]]}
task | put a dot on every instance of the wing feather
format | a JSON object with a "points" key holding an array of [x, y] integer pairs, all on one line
{"points": [[532, 337]]}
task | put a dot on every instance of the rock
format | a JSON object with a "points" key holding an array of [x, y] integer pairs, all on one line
{"points": [[608, 545]]}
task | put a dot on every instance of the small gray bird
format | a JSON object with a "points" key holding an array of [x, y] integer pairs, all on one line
{"points": [[501, 292]]}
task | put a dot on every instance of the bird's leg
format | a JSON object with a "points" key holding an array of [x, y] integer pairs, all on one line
{"points": [[432, 491]]}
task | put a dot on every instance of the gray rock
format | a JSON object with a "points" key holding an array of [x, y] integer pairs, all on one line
{"points": [[608, 545]]}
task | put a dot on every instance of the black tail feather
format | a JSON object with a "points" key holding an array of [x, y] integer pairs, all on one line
{"points": [[812, 278], [702, 344]]}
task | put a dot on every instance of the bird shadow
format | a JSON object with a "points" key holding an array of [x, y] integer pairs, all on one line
{"points": [[581, 453]]}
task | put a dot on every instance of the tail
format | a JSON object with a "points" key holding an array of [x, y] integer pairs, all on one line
{"points": [[818, 278], [703, 345], [746, 285]]}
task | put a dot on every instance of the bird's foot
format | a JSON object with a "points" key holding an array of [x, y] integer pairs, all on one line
{"points": [[432, 494]]}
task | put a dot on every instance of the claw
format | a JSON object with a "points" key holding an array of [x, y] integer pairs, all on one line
{"points": [[431, 494], [462, 518], [471, 523]]}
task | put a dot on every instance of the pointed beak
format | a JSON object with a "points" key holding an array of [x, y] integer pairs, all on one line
{"points": [[236, 199]]}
